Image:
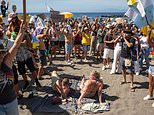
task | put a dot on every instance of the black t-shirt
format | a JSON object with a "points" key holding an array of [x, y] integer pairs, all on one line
{"points": [[108, 37], [7, 92], [127, 52], [94, 33]]}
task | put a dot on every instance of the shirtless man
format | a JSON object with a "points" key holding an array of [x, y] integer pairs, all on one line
{"points": [[41, 36], [68, 44], [88, 88]]}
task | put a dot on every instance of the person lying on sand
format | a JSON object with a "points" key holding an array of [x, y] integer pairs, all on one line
{"points": [[61, 85], [89, 88]]}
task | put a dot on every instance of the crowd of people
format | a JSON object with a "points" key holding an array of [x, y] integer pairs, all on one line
{"points": [[121, 45]]}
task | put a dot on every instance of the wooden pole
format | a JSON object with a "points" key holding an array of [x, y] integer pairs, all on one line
{"points": [[24, 10]]}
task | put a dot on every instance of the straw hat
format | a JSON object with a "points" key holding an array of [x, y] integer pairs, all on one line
{"points": [[11, 16]]}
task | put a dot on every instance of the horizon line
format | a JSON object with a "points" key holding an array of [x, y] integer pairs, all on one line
{"points": [[82, 12]]}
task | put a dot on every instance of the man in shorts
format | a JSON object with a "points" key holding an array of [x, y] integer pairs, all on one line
{"points": [[127, 43], [68, 44], [108, 47]]}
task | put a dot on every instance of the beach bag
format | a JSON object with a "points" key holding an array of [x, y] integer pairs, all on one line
{"points": [[128, 62]]}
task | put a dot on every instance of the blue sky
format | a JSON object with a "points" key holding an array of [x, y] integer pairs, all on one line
{"points": [[73, 5]]}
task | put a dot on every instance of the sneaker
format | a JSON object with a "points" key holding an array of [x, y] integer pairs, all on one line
{"points": [[112, 73], [69, 63], [148, 97], [137, 73], [103, 68], [153, 105], [26, 86], [85, 60]]}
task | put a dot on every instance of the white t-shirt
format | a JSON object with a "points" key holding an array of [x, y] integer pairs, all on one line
{"points": [[143, 42]]}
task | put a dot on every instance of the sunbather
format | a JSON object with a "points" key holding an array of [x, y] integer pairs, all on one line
{"points": [[89, 88], [61, 85]]}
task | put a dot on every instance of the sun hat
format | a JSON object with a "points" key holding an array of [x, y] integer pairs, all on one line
{"points": [[2, 48], [11, 16]]}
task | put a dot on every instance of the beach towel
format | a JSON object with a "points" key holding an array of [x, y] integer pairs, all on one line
{"points": [[96, 107]]}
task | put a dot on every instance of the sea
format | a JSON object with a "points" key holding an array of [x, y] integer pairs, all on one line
{"points": [[90, 14]]}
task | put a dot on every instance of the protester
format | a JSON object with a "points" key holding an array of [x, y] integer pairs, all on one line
{"points": [[93, 40], [77, 34], [144, 53], [68, 44], [8, 43], [41, 36], [24, 55], [116, 67], [88, 88], [4, 8], [85, 42], [127, 44], [8, 101], [100, 41], [14, 8], [151, 66], [108, 47]]}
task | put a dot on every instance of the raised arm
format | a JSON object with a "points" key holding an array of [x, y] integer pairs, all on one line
{"points": [[100, 88], [12, 52]]}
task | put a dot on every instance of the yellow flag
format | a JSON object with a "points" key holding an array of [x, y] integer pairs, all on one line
{"points": [[131, 2], [145, 30]]}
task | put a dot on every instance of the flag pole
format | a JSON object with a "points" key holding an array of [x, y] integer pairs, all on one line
{"points": [[24, 11], [146, 19]]}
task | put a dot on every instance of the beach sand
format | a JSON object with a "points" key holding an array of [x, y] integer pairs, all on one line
{"points": [[122, 100]]}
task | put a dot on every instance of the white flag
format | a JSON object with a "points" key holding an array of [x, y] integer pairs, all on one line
{"points": [[140, 8]]}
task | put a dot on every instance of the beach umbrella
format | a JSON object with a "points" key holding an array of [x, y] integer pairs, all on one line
{"points": [[67, 14]]}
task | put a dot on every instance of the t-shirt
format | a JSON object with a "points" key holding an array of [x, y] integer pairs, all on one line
{"points": [[86, 39], [100, 36], [7, 92], [109, 37], [94, 33], [62, 37], [143, 42], [125, 50]]}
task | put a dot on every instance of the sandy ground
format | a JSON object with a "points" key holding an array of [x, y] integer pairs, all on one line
{"points": [[123, 102]]}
